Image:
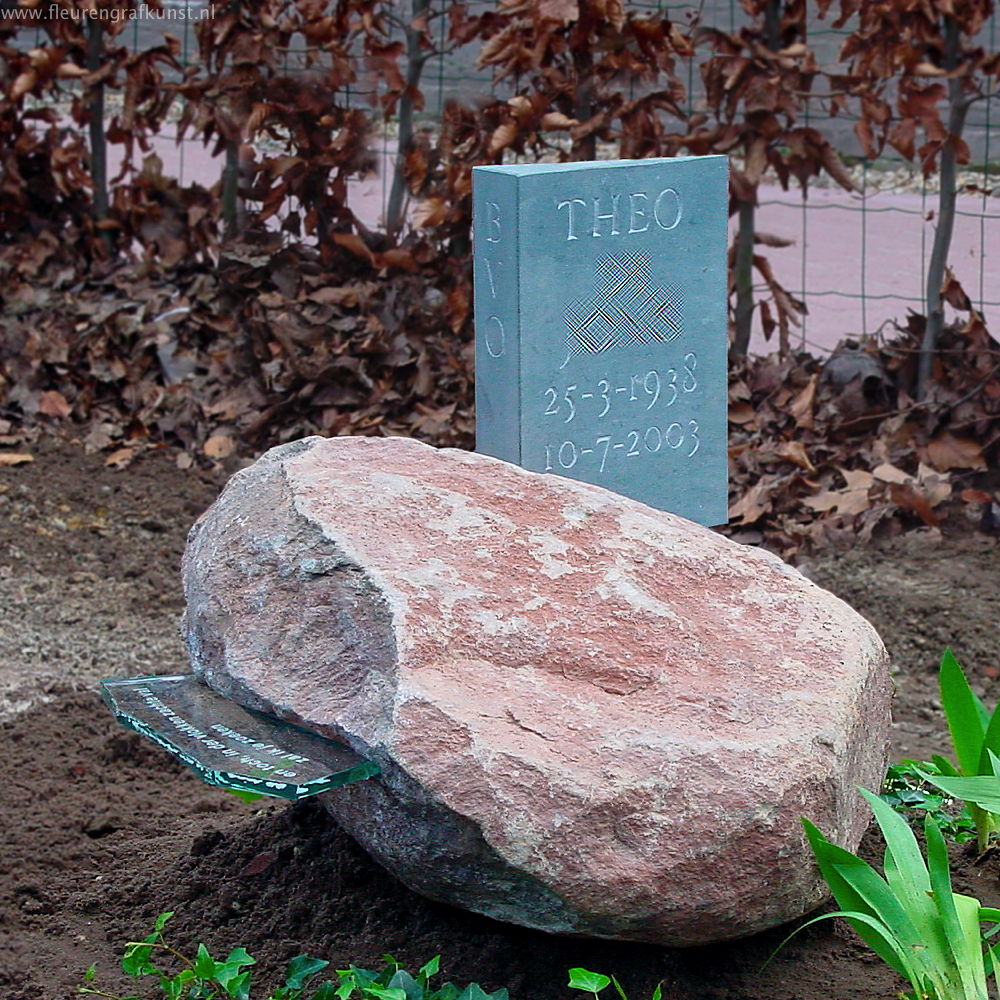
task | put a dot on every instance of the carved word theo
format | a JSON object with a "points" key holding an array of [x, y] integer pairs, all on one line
{"points": [[601, 325]]}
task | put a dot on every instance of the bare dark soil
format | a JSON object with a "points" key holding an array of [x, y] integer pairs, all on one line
{"points": [[101, 833]]}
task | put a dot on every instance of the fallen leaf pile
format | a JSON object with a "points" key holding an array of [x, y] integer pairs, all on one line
{"points": [[271, 345], [277, 342], [826, 451]]}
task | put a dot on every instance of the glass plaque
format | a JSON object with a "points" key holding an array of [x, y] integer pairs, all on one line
{"points": [[228, 745]]}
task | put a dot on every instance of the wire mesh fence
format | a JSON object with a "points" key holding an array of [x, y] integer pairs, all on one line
{"points": [[857, 260]]}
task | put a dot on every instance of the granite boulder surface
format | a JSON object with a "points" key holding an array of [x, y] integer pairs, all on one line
{"points": [[592, 717]]}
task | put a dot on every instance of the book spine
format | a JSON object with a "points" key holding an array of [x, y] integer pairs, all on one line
{"points": [[497, 314]]}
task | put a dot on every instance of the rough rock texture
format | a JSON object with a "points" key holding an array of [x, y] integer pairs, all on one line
{"points": [[592, 717]]}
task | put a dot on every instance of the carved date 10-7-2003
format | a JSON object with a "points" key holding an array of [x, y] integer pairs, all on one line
{"points": [[653, 392]]}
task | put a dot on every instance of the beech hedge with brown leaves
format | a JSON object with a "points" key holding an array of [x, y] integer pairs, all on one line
{"points": [[140, 312]]}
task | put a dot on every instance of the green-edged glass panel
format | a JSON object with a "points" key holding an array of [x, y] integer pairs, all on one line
{"points": [[228, 745]]}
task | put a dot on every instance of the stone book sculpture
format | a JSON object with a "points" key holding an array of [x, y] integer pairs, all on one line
{"points": [[228, 745], [601, 325]]}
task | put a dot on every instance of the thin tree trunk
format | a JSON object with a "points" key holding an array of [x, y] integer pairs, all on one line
{"points": [[958, 107], [416, 58], [231, 187], [746, 219], [98, 142], [583, 107], [231, 166], [743, 273], [772, 25]]}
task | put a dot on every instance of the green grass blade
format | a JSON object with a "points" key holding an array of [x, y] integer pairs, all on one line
{"points": [[983, 790], [971, 963], [961, 929], [902, 850], [889, 949], [944, 765], [966, 715], [991, 962], [991, 746], [908, 876], [857, 888]]}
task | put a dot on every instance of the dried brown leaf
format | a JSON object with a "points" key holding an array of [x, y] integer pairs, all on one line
{"points": [[907, 497], [503, 136], [802, 407], [946, 451], [752, 505], [556, 120], [770, 240], [794, 451], [887, 473], [742, 413], [53, 404], [219, 446], [121, 458]]}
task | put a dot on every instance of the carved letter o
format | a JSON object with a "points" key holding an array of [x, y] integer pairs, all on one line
{"points": [[658, 209], [495, 344]]}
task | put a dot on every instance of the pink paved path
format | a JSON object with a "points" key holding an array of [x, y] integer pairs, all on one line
{"points": [[879, 252]]}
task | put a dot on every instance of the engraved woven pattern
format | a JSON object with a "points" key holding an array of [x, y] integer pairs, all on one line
{"points": [[626, 308]]}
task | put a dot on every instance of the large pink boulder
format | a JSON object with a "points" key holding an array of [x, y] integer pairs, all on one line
{"points": [[592, 717]]}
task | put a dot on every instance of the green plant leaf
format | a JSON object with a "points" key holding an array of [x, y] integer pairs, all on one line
{"points": [[618, 988], [961, 929], [91, 972], [172, 989], [135, 961], [392, 965], [835, 865], [943, 765], [236, 986], [990, 965], [347, 985], [991, 744], [204, 964], [301, 969], [447, 991], [874, 929], [241, 957], [244, 795], [983, 790], [475, 992], [161, 920], [967, 717], [383, 992], [363, 977], [176, 987], [402, 980], [658, 992], [229, 974], [429, 969], [905, 871], [327, 991], [591, 982]]}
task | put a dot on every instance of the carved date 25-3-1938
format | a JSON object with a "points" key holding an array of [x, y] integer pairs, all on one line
{"points": [[640, 394]]}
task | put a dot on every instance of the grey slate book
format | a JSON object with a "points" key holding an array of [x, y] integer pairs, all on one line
{"points": [[601, 325]]}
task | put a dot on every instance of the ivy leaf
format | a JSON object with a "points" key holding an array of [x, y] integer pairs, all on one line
{"points": [[301, 968], [204, 965], [591, 982], [135, 961]]}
